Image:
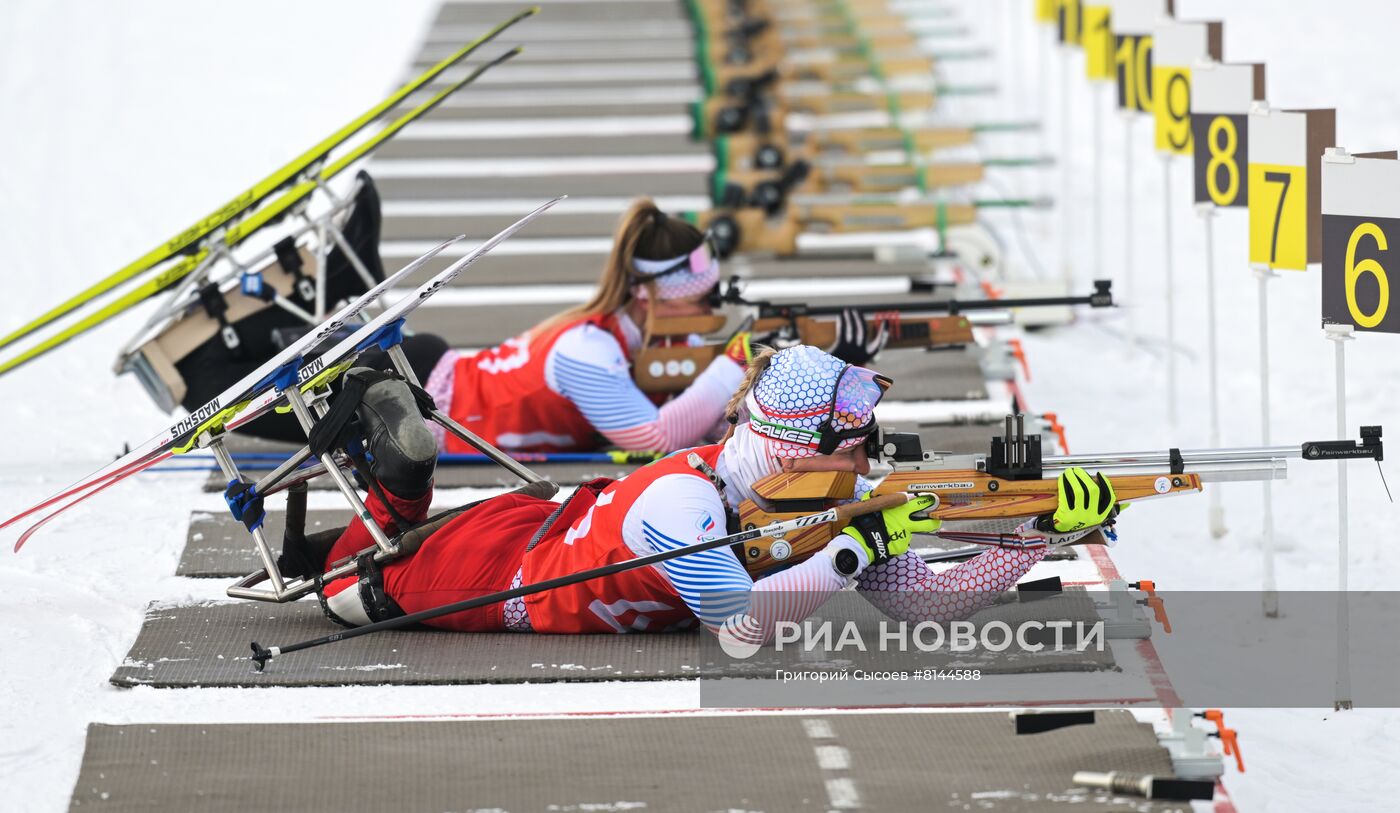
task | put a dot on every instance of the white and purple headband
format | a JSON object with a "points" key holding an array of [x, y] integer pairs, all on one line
{"points": [[679, 277]]}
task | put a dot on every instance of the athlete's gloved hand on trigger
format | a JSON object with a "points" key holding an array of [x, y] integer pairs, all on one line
{"points": [[1084, 504], [885, 535], [854, 345]]}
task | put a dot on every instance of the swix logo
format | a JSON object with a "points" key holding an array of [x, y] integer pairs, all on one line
{"points": [[914, 487], [195, 418], [782, 433]]}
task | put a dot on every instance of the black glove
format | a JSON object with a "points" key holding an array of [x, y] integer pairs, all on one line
{"points": [[854, 345]]}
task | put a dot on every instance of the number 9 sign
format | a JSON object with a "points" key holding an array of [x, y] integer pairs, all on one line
{"points": [[1176, 48], [1285, 185], [1360, 226]]}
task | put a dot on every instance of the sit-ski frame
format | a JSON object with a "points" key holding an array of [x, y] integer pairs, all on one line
{"points": [[328, 233], [290, 475]]}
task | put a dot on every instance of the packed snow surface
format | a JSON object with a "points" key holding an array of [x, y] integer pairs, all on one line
{"points": [[129, 120]]}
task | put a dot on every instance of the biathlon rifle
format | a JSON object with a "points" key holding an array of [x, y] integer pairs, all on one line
{"points": [[767, 219], [250, 211], [671, 363], [983, 498], [859, 176], [772, 150]]}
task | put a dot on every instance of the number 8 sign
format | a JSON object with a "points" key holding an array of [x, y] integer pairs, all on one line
{"points": [[1360, 225], [1221, 96], [1285, 185]]}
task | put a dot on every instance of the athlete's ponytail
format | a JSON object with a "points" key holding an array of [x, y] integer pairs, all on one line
{"points": [[644, 232], [734, 410]]}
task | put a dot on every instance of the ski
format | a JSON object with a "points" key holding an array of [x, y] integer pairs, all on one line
{"points": [[237, 232], [244, 403], [145, 453], [189, 240]]}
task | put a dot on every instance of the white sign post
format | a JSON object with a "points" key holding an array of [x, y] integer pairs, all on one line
{"points": [[1176, 47], [1285, 157], [1360, 221], [1221, 96]]}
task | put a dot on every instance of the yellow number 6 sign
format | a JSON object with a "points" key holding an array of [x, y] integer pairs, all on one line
{"points": [[1360, 224]]}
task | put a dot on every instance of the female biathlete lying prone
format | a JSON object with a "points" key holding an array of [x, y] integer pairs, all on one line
{"points": [[566, 384], [798, 410]]}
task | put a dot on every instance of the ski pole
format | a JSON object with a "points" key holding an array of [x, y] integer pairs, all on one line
{"points": [[266, 461], [842, 514]]}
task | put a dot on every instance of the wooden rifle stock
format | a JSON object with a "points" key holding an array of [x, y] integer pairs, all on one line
{"points": [[669, 369], [964, 495], [837, 65], [750, 229], [940, 331], [739, 149]]}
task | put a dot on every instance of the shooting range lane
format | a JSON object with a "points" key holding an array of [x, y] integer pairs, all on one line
{"points": [[879, 761], [206, 645], [475, 160]]}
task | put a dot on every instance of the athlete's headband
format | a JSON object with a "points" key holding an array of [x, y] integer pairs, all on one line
{"points": [[679, 277]]}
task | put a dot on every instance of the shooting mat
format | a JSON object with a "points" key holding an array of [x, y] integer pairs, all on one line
{"points": [[208, 645], [907, 761]]}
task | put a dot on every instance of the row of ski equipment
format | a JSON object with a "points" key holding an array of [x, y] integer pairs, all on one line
{"points": [[241, 217], [269, 385]]}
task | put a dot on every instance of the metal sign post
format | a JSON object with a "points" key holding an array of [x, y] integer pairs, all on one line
{"points": [[1360, 220], [1176, 47], [1285, 156], [1221, 96]]}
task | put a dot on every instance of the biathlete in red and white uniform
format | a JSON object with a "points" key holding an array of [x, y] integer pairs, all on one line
{"points": [[566, 385], [806, 411]]}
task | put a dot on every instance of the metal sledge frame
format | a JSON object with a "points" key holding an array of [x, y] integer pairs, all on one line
{"points": [[323, 226], [289, 474]]}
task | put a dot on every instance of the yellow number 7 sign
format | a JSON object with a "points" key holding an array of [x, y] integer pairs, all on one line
{"points": [[1285, 190]]}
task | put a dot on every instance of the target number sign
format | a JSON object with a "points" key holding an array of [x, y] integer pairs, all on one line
{"points": [[1221, 98], [1097, 39], [1360, 240], [1131, 23], [1284, 185], [1069, 21], [1177, 46], [1132, 64]]}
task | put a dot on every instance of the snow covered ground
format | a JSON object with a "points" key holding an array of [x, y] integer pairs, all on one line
{"points": [[126, 120]]}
